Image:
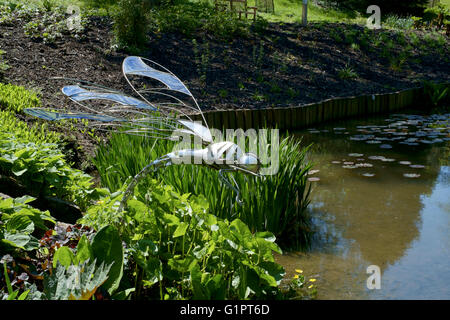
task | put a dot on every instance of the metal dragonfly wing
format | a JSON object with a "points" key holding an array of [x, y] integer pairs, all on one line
{"points": [[167, 112]]}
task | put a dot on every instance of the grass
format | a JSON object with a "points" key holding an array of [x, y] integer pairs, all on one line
{"points": [[40, 3], [290, 11]]}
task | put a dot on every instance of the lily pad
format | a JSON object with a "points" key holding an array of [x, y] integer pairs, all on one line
{"points": [[313, 179], [355, 154], [385, 146], [364, 165], [417, 166], [407, 163], [368, 174], [361, 137], [411, 175], [376, 157]]}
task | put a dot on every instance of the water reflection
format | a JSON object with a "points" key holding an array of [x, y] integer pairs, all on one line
{"points": [[400, 224]]}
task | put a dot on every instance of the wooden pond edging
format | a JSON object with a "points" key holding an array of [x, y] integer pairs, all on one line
{"points": [[304, 116]]}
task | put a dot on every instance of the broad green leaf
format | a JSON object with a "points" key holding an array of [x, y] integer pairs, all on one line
{"points": [[32, 244], [146, 247], [180, 230], [24, 199], [17, 239], [84, 250], [78, 282], [107, 248], [64, 256], [19, 171], [181, 265], [20, 223], [216, 287], [153, 271], [268, 236], [123, 295], [199, 290]]}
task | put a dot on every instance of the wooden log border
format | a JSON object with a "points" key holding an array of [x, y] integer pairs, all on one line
{"points": [[308, 115]]}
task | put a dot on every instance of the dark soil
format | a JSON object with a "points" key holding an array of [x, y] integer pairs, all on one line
{"points": [[297, 65]]}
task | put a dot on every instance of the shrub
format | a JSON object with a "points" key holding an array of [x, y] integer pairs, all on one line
{"points": [[396, 22], [3, 65], [190, 18], [20, 224], [41, 168], [131, 23], [38, 133], [32, 156], [16, 98], [183, 252]]}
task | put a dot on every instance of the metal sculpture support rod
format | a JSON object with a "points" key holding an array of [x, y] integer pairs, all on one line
{"points": [[305, 13], [164, 161]]}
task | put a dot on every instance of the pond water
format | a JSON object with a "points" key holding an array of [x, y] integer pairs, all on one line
{"points": [[381, 197]]}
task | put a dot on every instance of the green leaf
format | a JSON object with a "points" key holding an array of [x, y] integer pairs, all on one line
{"points": [[107, 248], [78, 282], [13, 295], [20, 223], [64, 256], [181, 230], [268, 236], [18, 172], [123, 295], [200, 292], [24, 295], [84, 250], [32, 244], [24, 199], [216, 287], [153, 270], [240, 229], [181, 265], [8, 282], [16, 240]]}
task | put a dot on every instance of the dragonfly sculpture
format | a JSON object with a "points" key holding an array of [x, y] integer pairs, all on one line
{"points": [[161, 117]]}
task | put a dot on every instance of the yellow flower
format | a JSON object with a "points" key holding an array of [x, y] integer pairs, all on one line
{"points": [[298, 271], [296, 276], [312, 280], [310, 286]]}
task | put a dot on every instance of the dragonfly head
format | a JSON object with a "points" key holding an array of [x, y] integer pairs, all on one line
{"points": [[249, 162]]}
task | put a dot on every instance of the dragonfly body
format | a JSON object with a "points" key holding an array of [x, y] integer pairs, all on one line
{"points": [[219, 155]]}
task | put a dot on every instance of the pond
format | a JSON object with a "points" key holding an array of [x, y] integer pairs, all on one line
{"points": [[381, 197]]}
